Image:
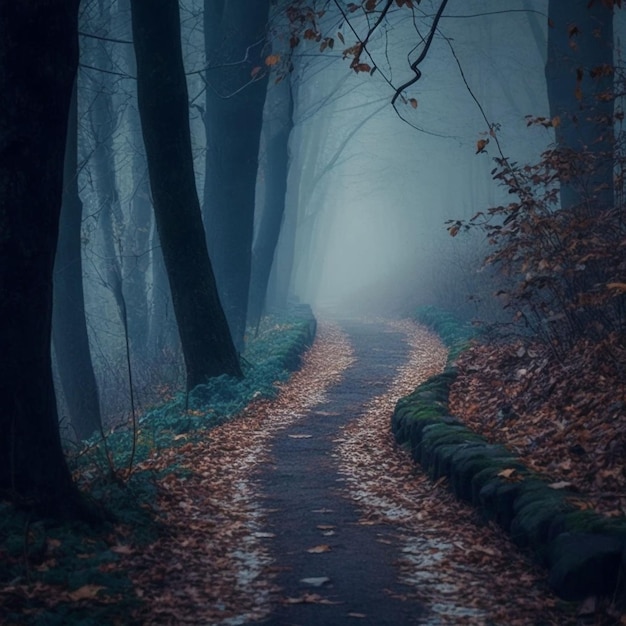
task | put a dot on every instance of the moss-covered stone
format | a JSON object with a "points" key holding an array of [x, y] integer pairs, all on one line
{"points": [[531, 526], [586, 564], [472, 459]]}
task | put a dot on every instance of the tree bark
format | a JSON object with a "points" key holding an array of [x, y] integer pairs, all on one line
{"points": [[580, 42], [163, 106], [38, 61], [277, 128], [236, 86], [69, 326]]}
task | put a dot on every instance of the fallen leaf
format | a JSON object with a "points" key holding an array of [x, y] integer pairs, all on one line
{"points": [[86, 592], [562, 484], [319, 549], [507, 473], [309, 598]]}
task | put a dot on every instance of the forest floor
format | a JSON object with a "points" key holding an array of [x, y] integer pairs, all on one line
{"points": [[564, 415], [302, 510]]}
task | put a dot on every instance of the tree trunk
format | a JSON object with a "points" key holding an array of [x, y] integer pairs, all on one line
{"points": [[236, 85], [69, 327], [38, 60], [163, 106], [277, 128], [580, 43]]}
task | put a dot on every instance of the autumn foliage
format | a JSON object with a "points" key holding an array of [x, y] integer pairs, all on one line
{"points": [[564, 265]]}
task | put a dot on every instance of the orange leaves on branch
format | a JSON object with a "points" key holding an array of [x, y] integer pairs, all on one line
{"points": [[413, 102], [311, 35], [354, 51], [546, 122], [272, 59], [370, 5], [480, 145], [328, 42]]}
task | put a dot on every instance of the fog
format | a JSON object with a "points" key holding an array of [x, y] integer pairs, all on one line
{"points": [[371, 225], [358, 192]]}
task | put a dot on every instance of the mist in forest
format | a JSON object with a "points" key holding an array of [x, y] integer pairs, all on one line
{"points": [[350, 205], [374, 191]]}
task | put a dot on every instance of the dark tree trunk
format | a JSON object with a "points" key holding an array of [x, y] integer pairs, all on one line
{"points": [[38, 60], [277, 128], [163, 106], [69, 327], [234, 36], [580, 45]]}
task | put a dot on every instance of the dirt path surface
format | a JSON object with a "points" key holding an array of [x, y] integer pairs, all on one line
{"points": [[333, 568]]}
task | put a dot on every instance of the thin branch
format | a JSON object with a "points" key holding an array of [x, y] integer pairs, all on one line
{"points": [[100, 38], [422, 56]]}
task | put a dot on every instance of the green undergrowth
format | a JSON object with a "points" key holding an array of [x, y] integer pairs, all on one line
{"points": [[270, 356], [65, 573]]}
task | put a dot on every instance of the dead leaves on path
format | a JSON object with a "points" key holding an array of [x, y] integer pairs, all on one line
{"points": [[319, 549], [209, 565], [465, 572]]}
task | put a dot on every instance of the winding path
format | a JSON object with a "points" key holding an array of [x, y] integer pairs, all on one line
{"points": [[333, 565], [302, 511]]}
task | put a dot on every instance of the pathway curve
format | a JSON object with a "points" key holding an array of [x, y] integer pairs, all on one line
{"points": [[333, 567], [355, 533], [302, 511]]}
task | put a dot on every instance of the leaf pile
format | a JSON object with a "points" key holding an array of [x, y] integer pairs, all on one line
{"points": [[565, 418], [465, 572]]}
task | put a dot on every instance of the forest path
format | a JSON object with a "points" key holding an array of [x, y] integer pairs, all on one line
{"points": [[244, 515], [334, 566], [356, 534]]}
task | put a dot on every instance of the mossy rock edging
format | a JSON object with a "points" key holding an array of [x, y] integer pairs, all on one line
{"points": [[585, 552]]}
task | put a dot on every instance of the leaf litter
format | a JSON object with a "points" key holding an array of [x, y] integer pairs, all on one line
{"points": [[464, 571], [211, 563]]}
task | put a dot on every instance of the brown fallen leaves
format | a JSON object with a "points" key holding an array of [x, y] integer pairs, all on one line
{"points": [[463, 571], [207, 566], [566, 419]]}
